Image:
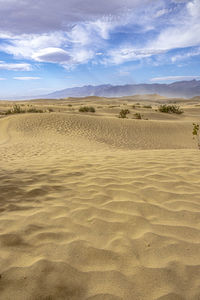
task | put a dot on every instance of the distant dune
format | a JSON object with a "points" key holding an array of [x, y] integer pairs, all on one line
{"points": [[96, 207]]}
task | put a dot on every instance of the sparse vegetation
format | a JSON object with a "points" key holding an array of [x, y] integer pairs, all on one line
{"points": [[138, 116], [195, 133], [123, 113], [170, 109], [16, 109], [87, 109], [34, 110], [147, 106], [112, 106]]}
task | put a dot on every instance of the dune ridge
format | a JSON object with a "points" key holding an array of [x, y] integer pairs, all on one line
{"points": [[86, 212]]}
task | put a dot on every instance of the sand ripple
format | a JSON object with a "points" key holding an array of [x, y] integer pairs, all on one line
{"points": [[82, 219]]}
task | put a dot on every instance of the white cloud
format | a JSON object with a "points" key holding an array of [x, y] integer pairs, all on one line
{"points": [[186, 55], [184, 30], [26, 78], [123, 54], [175, 78], [25, 16], [69, 33], [55, 55], [15, 66], [25, 46]]}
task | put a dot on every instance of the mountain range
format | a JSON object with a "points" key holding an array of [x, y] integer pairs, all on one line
{"points": [[186, 89]]}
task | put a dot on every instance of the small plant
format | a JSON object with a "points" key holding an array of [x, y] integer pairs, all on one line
{"points": [[112, 106], [8, 112], [147, 106], [87, 109], [50, 110], [123, 113], [170, 109], [69, 105], [34, 110], [16, 109], [195, 133], [138, 116], [133, 106]]}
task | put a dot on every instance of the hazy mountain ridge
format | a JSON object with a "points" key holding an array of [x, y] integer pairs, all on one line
{"points": [[186, 89]]}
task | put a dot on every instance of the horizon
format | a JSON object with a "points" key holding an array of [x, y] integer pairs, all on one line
{"points": [[47, 48], [22, 98]]}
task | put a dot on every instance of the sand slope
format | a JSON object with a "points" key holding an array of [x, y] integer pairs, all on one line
{"points": [[87, 213]]}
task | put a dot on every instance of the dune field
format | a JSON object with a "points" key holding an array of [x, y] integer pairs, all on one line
{"points": [[95, 207]]}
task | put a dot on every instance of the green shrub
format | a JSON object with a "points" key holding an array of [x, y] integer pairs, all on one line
{"points": [[8, 112], [170, 109], [138, 116], [87, 109], [195, 133], [16, 109], [147, 106], [123, 113], [34, 110]]}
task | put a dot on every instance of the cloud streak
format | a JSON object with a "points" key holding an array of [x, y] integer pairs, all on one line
{"points": [[15, 66], [174, 78], [26, 78]]}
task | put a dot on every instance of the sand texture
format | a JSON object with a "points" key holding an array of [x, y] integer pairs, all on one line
{"points": [[99, 208]]}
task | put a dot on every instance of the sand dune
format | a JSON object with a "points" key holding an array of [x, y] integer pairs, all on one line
{"points": [[96, 207]]}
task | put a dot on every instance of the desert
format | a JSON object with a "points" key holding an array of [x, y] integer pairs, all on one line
{"points": [[94, 206]]}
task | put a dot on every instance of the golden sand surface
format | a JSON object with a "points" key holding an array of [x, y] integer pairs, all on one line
{"points": [[96, 207]]}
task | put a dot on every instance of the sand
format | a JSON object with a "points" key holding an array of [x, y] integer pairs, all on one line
{"points": [[95, 207]]}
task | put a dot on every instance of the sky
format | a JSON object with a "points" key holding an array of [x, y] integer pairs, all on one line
{"points": [[52, 45]]}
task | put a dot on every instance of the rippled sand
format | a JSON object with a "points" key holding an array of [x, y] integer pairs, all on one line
{"points": [[87, 212]]}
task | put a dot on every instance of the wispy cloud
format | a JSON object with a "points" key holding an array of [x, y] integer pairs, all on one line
{"points": [[26, 78], [20, 17], [15, 66], [2, 78], [187, 54], [101, 32], [183, 30], [174, 78], [128, 53]]}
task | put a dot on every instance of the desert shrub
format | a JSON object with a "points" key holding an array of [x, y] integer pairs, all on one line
{"points": [[112, 106], [170, 109], [133, 106], [123, 113], [69, 105], [50, 110], [34, 110], [195, 133], [16, 109], [87, 109], [138, 116], [8, 112], [147, 106]]}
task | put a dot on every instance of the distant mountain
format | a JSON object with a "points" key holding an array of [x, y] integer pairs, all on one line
{"points": [[185, 89]]}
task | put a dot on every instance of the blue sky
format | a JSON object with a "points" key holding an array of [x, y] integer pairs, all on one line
{"points": [[51, 45]]}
